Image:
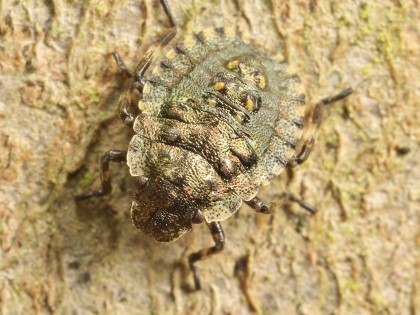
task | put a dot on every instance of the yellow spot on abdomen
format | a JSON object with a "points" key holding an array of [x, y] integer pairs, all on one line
{"points": [[212, 102], [239, 118], [249, 104], [220, 85], [233, 64], [262, 83]]}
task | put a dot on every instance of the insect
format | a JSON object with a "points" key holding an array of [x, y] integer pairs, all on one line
{"points": [[214, 120]]}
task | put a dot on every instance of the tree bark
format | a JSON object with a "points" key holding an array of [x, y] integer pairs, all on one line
{"points": [[59, 89]]}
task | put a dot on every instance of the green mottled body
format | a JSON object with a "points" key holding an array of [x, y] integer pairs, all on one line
{"points": [[218, 118]]}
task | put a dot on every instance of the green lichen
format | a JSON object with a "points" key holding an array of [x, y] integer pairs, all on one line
{"points": [[96, 149], [93, 95], [86, 180], [101, 9], [364, 13], [352, 285], [343, 22], [329, 165], [368, 70]]}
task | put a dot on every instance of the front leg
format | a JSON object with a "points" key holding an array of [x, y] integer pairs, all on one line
{"points": [[128, 103], [219, 238], [116, 156]]}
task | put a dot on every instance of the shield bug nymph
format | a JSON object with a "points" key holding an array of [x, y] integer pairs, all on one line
{"points": [[214, 120]]}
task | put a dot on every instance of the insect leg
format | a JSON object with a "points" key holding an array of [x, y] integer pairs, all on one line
{"points": [[316, 120], [121, 64], [116, 156], [258, 205], [300, 202], [147, 59], [127, 104], [219, 239]]}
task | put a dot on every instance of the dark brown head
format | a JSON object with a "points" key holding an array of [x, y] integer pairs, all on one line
{"points": [[162, 210]]}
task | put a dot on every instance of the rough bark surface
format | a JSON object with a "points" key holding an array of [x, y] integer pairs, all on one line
{"points": [[58, 94]]}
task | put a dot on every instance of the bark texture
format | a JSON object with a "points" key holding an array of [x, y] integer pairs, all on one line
{"points": [[58, 93]]}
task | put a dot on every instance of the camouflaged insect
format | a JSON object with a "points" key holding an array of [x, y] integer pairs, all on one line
{"points": [[218, 118], [214, 120]]}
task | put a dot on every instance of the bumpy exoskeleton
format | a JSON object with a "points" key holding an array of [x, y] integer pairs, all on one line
{"points": [[215, 119]]}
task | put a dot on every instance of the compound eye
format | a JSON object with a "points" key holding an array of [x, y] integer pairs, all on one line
{"points": [[198, 217], [141, 182]]}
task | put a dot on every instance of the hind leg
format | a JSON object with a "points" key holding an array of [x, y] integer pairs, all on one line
{"points": [[219, 240]]}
